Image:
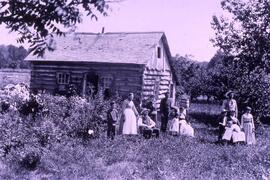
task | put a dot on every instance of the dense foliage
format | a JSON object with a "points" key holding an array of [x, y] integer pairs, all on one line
{"points": [[43, 119], [37, 21], [244, 41], [190, 75], [13, 57]]}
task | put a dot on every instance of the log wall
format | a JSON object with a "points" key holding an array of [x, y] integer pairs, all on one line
{"points": [[156, 82], [125, 78]]}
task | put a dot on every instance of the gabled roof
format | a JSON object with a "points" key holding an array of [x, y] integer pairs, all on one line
{"points": [[131, 48]]}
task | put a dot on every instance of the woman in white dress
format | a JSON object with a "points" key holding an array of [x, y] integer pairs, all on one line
{"points": [[232, 130], [247, 123], [185, 128], [130, 114]]}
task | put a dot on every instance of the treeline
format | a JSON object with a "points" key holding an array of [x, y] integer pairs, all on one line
{"points": [[209, 79], [13, 57], [214, 78]]}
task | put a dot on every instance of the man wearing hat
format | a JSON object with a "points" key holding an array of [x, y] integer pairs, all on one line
{"points": [[230, 103], [112, 118], [147, 125]]}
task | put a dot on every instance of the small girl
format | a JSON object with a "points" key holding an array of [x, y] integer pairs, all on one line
{"points": [[185, 128], [247, 124], [174, 128]]}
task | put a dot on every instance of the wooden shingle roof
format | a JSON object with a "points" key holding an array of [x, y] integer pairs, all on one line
{"points": [[132, 48]]}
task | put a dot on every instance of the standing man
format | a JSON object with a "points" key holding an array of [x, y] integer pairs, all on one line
{"points": [[230, 103], [165, 108]]}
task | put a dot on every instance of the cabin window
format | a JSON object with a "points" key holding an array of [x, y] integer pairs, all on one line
{"points": [[107, 81], [158, 52], [63, 78]]}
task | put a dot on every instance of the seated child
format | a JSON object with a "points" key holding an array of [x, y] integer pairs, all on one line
{"points": [[185, 128], [232, 130], [146, 125]]}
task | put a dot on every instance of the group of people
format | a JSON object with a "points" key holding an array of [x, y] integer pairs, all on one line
{"points": [[131, 122], [230, 128], [174, 119]]}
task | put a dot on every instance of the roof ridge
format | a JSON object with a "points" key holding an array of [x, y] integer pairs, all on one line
{"points": [[108, 33]]}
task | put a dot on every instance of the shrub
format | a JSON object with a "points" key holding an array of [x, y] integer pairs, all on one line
{"points": [[30, 161]]}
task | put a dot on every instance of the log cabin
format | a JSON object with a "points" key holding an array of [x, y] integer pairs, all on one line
{"points": [[112, 62]]}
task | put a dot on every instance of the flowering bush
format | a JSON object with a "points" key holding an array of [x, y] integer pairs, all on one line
{"points": [[57, 119]]}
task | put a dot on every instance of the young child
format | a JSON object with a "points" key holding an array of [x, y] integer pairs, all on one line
{"points": [[112, 118], [184, 127], [232, 130], [174, 128], [247, 124]]}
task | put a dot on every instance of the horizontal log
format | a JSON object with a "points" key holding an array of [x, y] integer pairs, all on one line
{"points": [[128, 79], [44, 79], [82, 72], [46, 87], [156, 74], [88, 68], [149, 84]]}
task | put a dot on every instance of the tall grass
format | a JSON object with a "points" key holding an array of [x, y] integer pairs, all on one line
{"points": [[126, 157], [136, 158]]}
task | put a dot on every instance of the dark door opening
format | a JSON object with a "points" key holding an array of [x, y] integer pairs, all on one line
{"points": [[90, 84]]}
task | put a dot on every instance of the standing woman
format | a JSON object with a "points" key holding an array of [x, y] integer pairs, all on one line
{"points": [[247, 123], [130, 114]]}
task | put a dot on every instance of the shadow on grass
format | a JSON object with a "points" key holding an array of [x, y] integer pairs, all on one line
{"points": [[208, 119]]}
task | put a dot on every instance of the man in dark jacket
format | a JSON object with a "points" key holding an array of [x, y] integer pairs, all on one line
{"points": [[165, 108]]}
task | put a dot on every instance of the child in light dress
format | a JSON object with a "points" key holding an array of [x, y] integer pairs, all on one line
{"points": [[185, 128], [233, 131], [174, 127]]}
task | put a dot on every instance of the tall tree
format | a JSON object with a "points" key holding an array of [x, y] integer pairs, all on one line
{"points": [[191, 75], [37, 20], [244, 38], [13, 57]]}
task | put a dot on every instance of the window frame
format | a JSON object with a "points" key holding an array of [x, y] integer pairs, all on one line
{"points": [[63, 78], [107, 81]]}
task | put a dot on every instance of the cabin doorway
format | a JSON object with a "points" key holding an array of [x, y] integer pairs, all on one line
{"points": [[90, 84]]}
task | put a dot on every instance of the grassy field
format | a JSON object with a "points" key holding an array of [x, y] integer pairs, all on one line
{"points": [[14, 76], [164, 158]]}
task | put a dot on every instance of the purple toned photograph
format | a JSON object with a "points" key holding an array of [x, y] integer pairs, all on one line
{"points": [[134, 89]]}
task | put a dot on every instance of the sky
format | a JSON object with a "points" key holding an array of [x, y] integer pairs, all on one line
{"points": [[186, 23]]}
